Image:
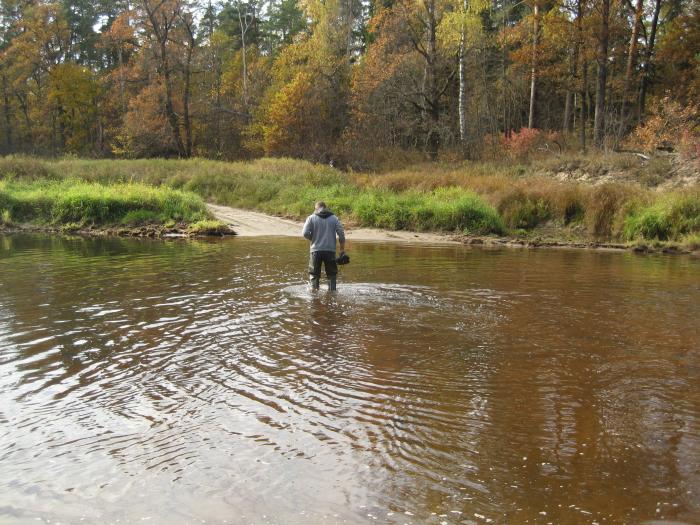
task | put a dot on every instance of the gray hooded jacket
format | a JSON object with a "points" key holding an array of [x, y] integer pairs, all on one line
{"points": [[321, 229]]}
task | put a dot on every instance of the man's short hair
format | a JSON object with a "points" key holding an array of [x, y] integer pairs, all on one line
{"points": [[319, 205]]}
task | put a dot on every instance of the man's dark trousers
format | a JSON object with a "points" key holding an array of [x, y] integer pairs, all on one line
{"points": [[327, 259]]}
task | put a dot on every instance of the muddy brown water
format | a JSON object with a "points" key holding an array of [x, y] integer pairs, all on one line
{"points": [[192, 382]]}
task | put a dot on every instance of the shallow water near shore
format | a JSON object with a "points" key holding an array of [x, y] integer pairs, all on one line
{"points": [[202, 381]]}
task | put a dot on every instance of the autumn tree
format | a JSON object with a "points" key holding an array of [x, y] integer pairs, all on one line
{"points": [[168, 27], [73, 95], [306, 105], [335, 79], [40, 43]]}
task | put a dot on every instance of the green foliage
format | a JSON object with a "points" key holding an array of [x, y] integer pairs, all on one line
{"points": [[73, 90]]}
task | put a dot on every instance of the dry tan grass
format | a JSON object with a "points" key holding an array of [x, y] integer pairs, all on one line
{"points": [[606, 207]]}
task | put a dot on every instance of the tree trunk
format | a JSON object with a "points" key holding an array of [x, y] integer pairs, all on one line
{"points": [[568, 104], [631, 55], [191, 42], [463, 82], [173, 119], [584, 107], [122, 98], [186, 105], [533, 73], [504, 62], [24, 106], [433, 97], [602, 60], [217, 106], [161, 33], [244, 30], [646, 75], [348, 21], [7, 111], [462, 91], [533, 76]]}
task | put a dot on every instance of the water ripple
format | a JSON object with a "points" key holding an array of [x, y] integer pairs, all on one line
{"points": [[437, 385]]}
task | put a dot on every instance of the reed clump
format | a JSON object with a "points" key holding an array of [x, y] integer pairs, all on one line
{"points": [[606, 207]]}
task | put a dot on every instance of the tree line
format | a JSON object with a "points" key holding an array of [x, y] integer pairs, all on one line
{"points": [[336, 80]]}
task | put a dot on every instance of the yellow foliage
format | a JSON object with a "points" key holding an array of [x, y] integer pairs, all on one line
{"points": [[73, 91], [287, 128]]}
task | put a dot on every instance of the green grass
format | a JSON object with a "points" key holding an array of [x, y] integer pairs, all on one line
{"points": [[279, 186], [75, 202], [209, 227], [446, 209], [691, 242], [670, 217], [476, 198]]}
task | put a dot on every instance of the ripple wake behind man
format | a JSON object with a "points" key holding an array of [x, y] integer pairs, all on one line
{"points": [[320, 228]]}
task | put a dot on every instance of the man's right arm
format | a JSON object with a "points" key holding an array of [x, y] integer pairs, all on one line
{"points": [[308, 230], [341, 234]]}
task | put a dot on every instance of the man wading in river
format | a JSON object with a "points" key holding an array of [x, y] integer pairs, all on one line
{"points": [[321, 229]]}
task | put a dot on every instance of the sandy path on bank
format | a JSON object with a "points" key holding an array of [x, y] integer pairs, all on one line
{"points": [[248, 223]]}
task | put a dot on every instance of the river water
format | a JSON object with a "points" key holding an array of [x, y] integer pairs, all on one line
{"points": [[192, 382]]}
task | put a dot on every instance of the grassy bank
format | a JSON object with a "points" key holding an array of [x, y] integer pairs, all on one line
{"points": [[473, 198], [73, 204], [279, 186]]}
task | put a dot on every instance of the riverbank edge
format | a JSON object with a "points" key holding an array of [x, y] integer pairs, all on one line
{"points": [[469, 200], [152, 231], [182, 232], [253, 223], [640, 248]]}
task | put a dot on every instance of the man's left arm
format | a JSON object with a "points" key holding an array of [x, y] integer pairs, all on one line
{"points": [[308, 230]]}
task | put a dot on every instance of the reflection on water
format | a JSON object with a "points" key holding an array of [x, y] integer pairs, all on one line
{"points": [[180, 382]]}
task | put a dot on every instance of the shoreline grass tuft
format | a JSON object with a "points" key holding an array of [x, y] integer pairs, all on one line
{"points": [[79, 203], [671, 217]]}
